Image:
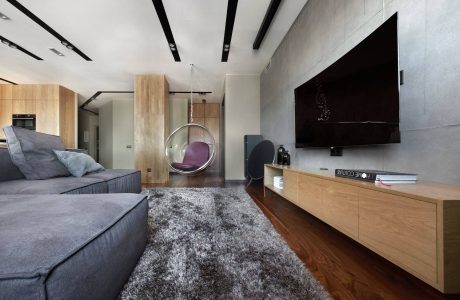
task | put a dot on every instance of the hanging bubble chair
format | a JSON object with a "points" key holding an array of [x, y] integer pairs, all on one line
{"points": [[190, 149]]}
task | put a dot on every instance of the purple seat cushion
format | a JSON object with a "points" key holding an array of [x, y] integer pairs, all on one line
{"points": [[184, 167], [196, 155]]}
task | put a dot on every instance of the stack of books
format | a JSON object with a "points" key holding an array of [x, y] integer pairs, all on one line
{"points": [[383, 177], [278, 182]]}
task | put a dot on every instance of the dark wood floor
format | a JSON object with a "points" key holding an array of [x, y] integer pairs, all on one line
{"points": [[344, 267]]}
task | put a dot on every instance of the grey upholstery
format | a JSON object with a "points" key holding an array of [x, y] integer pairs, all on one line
{"points": [[32, 153], [69, 246], [59, 185], [8, 171], [109, 181], [119, 181], [77, 163]]}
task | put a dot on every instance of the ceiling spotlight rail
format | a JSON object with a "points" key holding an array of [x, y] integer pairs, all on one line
{"points": [[229, 22], [188, 92], [65, 42], [160, 9], [269, 15], [10, 82], [13, 45]]}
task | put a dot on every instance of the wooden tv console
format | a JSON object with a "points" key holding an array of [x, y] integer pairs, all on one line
{"points": [[415, 226]]}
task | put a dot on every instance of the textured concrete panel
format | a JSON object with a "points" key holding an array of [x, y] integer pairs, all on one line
{"points": [[428, 52]]}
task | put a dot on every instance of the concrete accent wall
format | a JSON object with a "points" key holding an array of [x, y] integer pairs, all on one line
{"points": [[429, 42], [242, 116]]}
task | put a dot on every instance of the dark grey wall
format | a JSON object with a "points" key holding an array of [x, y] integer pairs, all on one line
{"points": [[429, 50]]}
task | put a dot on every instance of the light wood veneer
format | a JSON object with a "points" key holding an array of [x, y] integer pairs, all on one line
{"points": [[151, 94], [415, 226], [54, 106]]}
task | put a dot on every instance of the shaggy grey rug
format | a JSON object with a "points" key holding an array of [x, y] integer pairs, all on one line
{"points": [[215, 243]]}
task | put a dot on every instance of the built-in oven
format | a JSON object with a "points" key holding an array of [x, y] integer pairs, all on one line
{"points": [[24, 121]]}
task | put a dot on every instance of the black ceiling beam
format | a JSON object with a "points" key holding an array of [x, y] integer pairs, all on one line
{"points": [[13, 45], [185, 92], [10, 82], [90, 111], [93, 97], [269, 15], [229, 22], [45, 26], [160, 9]]}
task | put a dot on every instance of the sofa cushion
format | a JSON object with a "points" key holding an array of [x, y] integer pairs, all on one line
{"points": [[8, 171], [69, 247], [78, 164], [119, 181], [59, 185], [32, 152]]}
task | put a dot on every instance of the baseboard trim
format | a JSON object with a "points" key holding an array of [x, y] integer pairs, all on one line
{"points": [[235, 181]]}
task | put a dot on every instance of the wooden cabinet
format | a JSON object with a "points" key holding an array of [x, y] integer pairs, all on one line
{"points": [[47, 115], [401, 229], [291, 186], [340, 207], [310, 195], [208, 115], [54, 107], [151, 127], [6, 112], [415, 226]]}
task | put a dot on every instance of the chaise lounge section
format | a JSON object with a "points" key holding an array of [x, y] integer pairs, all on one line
{"points": [[69, 246]]}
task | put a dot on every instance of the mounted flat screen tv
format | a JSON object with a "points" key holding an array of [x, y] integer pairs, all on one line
{"points": [[355, 101]]}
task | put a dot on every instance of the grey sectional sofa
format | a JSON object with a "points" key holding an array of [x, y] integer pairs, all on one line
{"points": [[12, 181], [79, 246]]}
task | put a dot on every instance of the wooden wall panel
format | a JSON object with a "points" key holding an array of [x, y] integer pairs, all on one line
{"points": [[6, 111], [151, 127], [67, 117], [47, 116], [212, 110], [53, 105], [6, 91]]}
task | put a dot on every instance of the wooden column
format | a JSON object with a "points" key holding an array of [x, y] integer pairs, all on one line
{"points": [[151, 105]]}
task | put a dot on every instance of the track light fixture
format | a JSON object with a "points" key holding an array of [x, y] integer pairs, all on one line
{"points": [[4, 17], [13, 45]]}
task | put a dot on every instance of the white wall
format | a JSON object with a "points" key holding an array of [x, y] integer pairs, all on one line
{"points": [[429, 42], [116, 134], [242, 116], [106, 135], [123, 134]]}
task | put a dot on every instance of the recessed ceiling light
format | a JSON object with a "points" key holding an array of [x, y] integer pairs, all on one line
{"points": [[56, 52], [4, 17]]}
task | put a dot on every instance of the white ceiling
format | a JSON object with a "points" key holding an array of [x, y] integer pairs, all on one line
{"points": [[124, 37]]}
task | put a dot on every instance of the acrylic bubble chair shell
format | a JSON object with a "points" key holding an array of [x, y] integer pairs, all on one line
{"points": [[190, 149]]}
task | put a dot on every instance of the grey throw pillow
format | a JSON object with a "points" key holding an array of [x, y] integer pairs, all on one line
{"points": [[32, 152], [78, 164]]}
